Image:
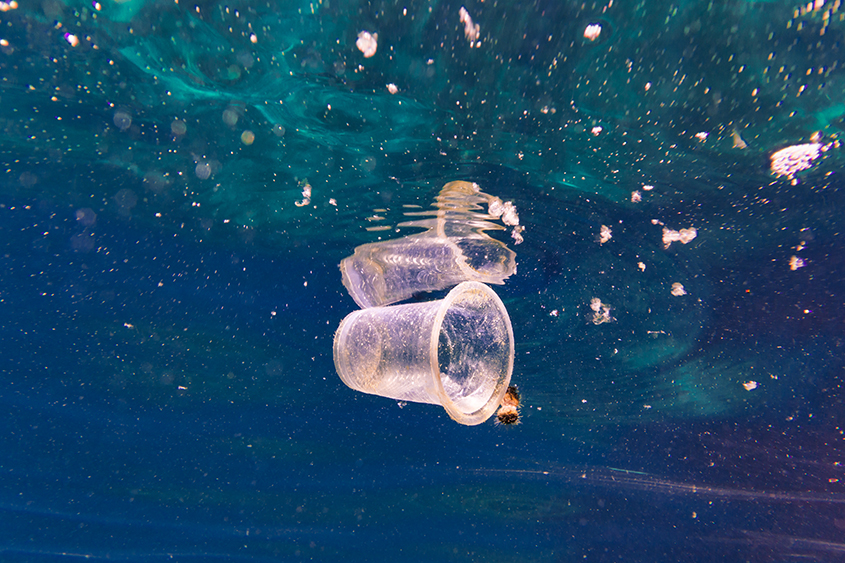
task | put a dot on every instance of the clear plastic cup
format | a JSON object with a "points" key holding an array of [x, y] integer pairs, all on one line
{"points": [[456, 352]]}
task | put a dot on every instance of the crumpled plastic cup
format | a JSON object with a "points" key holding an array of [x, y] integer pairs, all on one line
{"points": [[456, 352], [454, 248], [386, 272]]}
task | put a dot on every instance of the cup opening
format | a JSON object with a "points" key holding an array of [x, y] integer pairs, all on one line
{"points": [[472, 344]]}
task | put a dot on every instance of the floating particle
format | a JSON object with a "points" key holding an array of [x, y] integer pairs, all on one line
{"points": [[333, 201], [678, 289], [471, 30], [795, 262], [367, 43], [701, 136], [739, 143], [72, 39], [596, 130], [601, 312], [511, 398], [392, 88], [509, 215], [647, 188], [636, 196], [592, 31], [604, 234], [641, 266], [507, 415], [791, 160], [683, 236], [306, 195], [247, 137], [6, 6], [253, 38], [750, 385], [516, 234], [495, 207]]}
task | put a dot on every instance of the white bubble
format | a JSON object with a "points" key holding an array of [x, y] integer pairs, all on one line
{"points": [[178, 127], [230, 117], [86, 216], [203, 170], [122, 119]]}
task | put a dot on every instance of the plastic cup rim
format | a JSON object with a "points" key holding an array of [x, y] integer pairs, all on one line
{"points": [[482, 414]]}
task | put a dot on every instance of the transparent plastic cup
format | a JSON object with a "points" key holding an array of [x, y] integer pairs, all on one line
{"points": [[456, 352]]}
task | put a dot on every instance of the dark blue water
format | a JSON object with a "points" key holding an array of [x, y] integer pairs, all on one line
{"points": [[168, 297]]}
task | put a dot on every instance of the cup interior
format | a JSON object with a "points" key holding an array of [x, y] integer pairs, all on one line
{"points": [[472, 352]]}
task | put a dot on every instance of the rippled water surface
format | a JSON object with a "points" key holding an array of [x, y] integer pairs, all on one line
{"points": [[180, 182]]}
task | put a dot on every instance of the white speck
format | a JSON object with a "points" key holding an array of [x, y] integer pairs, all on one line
{"points": [[596, 130], [795, 262], [72, 39], [392, 88], [641, 266], [592, 31], [367, 43], [636, 196], [509, 215], [471, 30], [604, 234], [306, 196], [791, 160], [684, 236], [678, 289], [601, 311], [750, 385]]}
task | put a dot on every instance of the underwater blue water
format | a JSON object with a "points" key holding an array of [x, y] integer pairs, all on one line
{"points": [[180, 182]]}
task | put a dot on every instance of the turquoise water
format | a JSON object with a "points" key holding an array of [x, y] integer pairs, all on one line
{"points": [[181, 180]]}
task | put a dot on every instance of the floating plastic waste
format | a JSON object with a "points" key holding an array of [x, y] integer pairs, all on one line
{"points": [[454, 248], [456, 352]]}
